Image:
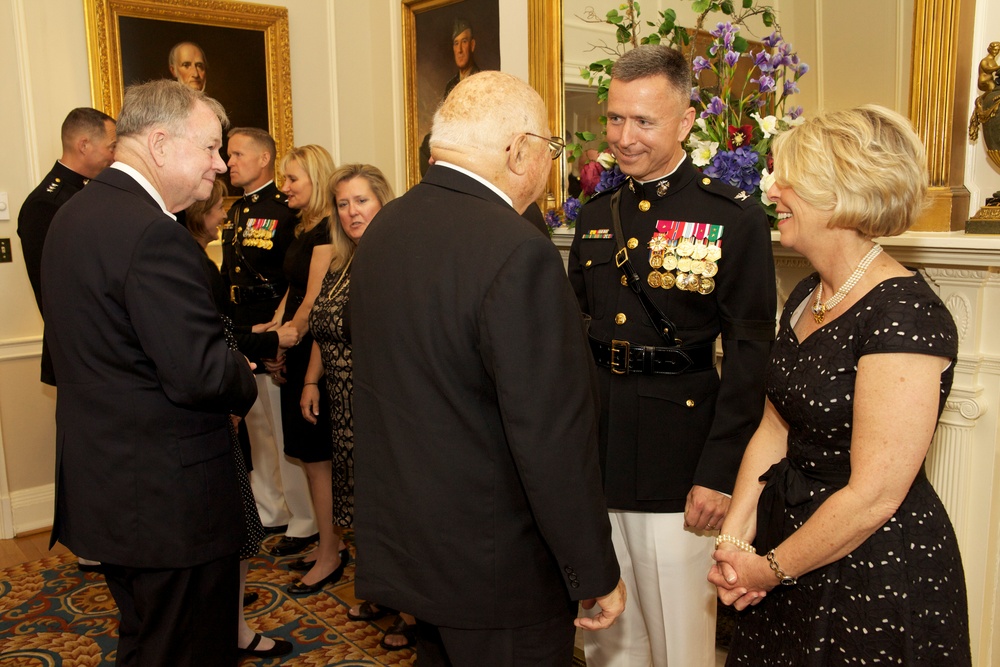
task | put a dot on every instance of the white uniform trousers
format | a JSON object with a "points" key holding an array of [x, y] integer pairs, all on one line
{"points": [[278, 482], [669, 617]]}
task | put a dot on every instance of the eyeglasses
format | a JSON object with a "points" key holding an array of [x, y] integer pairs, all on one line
{"points": [[556, 145]]}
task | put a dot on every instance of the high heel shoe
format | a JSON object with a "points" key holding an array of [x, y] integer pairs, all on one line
{"points": [[301, 588], [303, 565]]}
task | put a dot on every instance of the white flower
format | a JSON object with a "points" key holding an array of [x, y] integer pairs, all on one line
{"points": [[792, 122], [701, 124], [768, 124], [606, 160], [702, 152], [766, 181]]}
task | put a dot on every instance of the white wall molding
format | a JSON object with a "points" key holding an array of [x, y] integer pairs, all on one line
{"points": [[33, 509]]}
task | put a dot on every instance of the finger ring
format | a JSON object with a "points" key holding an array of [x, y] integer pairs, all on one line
{"points": [[709, 526]]}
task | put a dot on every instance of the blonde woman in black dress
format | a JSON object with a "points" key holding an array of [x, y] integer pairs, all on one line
{"points": [[836, 547]]}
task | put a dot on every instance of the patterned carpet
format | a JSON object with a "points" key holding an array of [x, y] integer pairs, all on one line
{"points": [[53, 615]]}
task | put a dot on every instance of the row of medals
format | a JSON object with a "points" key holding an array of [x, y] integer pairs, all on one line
{"points": [[687, 264]]}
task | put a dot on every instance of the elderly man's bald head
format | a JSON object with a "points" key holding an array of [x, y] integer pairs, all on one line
{"points": [[484, 112]]}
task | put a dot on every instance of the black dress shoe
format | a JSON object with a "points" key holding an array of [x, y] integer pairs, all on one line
{"points": [[281, 647], [303, 565], [250, 598], [289, 546], [89, 567], [300, 588]]}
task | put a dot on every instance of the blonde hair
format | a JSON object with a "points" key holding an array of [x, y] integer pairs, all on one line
{"points": [[318, 165], [343, 246], [194, 215], [866, 166]]}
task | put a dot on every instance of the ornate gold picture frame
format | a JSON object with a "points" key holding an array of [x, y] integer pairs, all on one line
{"points": [[246, 48]]}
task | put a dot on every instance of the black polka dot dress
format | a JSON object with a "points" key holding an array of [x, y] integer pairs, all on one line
{"points": [[899, 598]]}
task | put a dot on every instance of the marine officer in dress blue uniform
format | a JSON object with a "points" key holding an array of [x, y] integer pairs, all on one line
{"points": [[255, 236], [663, 266]]}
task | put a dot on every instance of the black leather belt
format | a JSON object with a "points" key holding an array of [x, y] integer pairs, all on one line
{"points": [[623, 357], [245, 294]]}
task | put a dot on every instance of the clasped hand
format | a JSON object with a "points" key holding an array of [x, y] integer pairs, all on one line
{"points": [[741, 578]]}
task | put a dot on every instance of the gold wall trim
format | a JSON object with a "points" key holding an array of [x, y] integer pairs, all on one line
{"points": [[934, 96], [545, 21]]}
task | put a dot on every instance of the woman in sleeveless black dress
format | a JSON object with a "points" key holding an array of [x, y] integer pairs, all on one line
{"points": [[856, 560]]}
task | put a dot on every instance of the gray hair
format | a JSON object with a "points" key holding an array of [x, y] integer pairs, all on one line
{"points": [[162, 102], [484, 111], [649, 60]]}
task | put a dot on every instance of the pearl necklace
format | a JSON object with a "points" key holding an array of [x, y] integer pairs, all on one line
{"points": [[820, 309]]}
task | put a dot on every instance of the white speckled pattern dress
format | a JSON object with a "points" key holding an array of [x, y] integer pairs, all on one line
{"points": [[899, 598]]}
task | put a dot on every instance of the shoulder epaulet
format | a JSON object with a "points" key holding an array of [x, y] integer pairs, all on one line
{"points": [[716, 187]]}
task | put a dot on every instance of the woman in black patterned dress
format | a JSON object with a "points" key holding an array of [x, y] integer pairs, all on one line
{"points": [[856, 560], [358, 191]]}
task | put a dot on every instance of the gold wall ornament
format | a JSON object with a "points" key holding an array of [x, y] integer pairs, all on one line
{"points": [[170, 20], [985, 116]]}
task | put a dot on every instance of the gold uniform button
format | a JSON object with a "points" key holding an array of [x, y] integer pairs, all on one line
{"points": [[706, 181], [239, 229], [644, 205], [633, 243], [246, 210], [620, 318], [589, 262], [689, 403], [624, 281], [237, 269]]}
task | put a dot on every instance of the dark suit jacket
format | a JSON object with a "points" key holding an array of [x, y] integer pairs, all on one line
{"points": [[478, 495], [145, 475]]}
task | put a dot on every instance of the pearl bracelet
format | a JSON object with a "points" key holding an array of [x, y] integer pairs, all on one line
{"points": [[735, 541]]}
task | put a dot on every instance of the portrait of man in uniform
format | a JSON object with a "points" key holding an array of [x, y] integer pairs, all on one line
{"points": [[452, 42]]}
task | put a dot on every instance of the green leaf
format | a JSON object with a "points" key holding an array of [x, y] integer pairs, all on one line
{"points": [[654, 38], [586, 136], [616, 20], [768, 18], [740, 45], [747, 4], [700, 5], [612, 14], [624, 35], [602, 147], [727, 7], [669, 15]]}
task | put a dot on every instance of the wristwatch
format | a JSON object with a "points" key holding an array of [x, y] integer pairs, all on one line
{"points": [[778, 572]]}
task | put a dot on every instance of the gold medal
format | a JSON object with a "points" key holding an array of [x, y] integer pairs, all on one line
{"points": [[699, 251], [709, 269], [670, 261], [685, 248], [667, 280], [713, 253], [684, 264], [680, 281], [693, 282], [654, 279], [644, 205], [706, 285], [697, 266], [655, 260]]}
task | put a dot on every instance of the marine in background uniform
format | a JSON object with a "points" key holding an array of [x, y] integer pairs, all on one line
{"points": [[257, 232]]}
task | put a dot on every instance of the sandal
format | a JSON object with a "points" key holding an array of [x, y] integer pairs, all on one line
{"points": [[402, 628], [368, 611]]}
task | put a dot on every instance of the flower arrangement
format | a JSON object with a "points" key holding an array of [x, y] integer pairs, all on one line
{"points": [[740, 95]]}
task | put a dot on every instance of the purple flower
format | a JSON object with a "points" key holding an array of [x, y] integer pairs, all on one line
{"points": [[765, 82], [571, 209], [795, 113], [700, 63], [801, 69], [731, 58], [552, 219], [791, 88], [762, 61], [773, 39], [714, 108], [737, 167], [611, 179], [695, 94]]}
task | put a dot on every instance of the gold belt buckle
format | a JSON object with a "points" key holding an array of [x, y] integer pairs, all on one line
{"points": [[234, 294], [619, 357]]}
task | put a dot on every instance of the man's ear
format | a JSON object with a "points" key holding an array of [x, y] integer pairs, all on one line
{"points": [[517, 155], [156, 142], [472, 46], [82, 144]]}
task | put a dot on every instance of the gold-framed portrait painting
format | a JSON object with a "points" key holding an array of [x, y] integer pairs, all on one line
{"points": [[236, 52]]}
